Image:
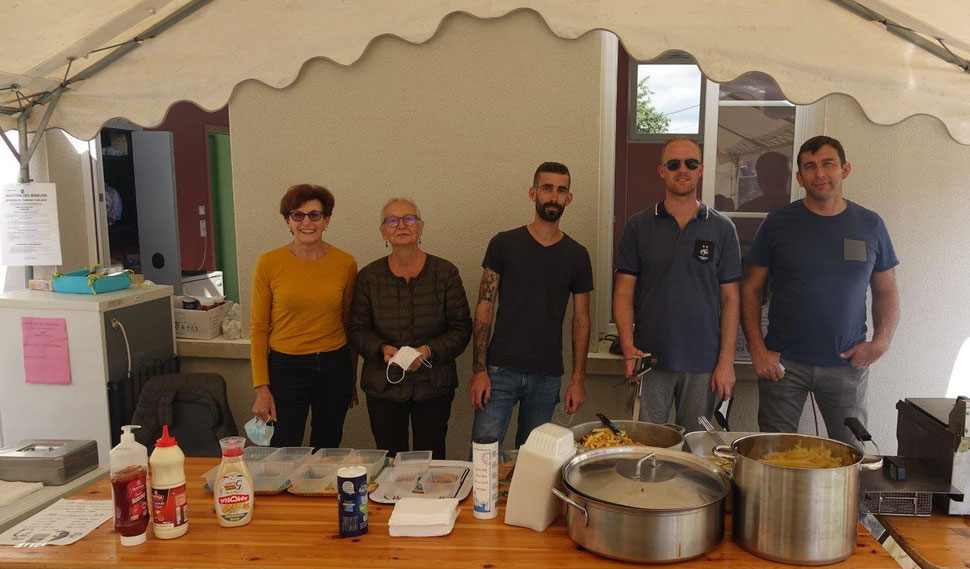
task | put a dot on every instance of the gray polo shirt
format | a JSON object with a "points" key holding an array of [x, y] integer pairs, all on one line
{"points": [[677, 303]]}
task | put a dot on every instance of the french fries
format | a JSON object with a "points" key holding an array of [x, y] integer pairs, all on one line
{"points": [[603, 437], [801, 457]]}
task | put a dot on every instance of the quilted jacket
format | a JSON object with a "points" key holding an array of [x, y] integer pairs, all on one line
{"points": [[429, 309]]}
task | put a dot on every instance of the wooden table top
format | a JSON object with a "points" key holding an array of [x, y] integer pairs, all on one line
{"points": [[294, 531], [940, 541]]}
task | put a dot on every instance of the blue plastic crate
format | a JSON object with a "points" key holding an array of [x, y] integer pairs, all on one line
{"points": [[76, 282]]}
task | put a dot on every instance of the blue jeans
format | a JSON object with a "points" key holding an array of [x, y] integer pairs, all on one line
{"points": [[537, 396]]}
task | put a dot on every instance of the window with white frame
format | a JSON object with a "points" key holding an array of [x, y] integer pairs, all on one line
{"points": [[748, 171], [666, 99]]}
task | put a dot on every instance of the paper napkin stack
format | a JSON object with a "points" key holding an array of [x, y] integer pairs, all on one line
{"points": [[422, 517]]}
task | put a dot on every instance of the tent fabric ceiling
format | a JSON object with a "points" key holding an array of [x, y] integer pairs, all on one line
{"points": [[810, 47]]}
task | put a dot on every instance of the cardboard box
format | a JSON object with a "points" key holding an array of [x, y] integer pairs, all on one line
{"points": [[200, 324], [39, 284]]}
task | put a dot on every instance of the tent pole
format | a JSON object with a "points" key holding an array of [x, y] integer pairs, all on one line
{"points": [[42, 127], [906, 34], [24, 173], [10, 145]]}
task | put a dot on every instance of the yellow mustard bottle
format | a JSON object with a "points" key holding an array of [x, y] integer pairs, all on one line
{"points": [[233, 493]]}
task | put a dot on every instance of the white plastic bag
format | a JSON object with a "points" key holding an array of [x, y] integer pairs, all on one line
{"points": [[232, 323]]}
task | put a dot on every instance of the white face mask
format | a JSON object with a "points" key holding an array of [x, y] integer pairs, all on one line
{"points": [[404, 357], [259, 431]]}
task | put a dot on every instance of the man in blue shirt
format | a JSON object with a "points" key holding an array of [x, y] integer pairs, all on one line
{"points": [[822, 253], [676, 294]]}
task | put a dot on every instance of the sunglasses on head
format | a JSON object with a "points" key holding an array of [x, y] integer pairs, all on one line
{"points": [[674, 163], [297, 216], [393, 221]]}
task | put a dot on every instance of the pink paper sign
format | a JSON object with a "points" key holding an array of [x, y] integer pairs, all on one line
{"points": [[46, 359]]}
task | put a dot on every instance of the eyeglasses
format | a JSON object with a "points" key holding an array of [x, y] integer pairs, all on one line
{"points": [[297, 216], [674, 164], [409, 220]]}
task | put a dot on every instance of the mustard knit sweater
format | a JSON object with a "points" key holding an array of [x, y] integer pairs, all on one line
{"points": [[299, 306]]}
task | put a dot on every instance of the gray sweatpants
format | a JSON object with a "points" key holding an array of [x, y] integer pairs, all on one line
{"points": [[690, 392], [839, 391]]}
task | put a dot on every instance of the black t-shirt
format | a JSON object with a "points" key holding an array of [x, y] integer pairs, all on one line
{"points": [[534, 287]]}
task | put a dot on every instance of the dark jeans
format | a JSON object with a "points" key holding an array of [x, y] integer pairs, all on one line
{"points": [[429, 423], [321, 381]]}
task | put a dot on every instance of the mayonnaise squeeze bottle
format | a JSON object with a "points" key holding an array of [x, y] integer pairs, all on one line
{"points": [[170, 509], [233, 492]]}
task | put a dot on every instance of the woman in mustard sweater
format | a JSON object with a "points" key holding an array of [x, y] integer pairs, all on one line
{"points": [[301, 299]]}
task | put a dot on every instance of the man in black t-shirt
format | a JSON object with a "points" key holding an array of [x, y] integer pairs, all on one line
{"points": [[534, 269]]}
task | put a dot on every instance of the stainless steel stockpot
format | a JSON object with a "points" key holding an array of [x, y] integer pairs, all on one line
{"points": [[644, 504], [648, 434], [802, 516]]}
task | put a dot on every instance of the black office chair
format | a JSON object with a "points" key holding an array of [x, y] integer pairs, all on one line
{"points": [[193, 405]]}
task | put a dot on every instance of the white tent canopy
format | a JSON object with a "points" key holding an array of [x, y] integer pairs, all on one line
{"points": [[810, 47]]}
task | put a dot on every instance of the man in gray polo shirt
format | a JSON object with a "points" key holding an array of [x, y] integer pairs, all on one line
{"points": [[676, 295]]}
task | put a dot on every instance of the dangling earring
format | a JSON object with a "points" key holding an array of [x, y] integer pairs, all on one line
{"points": [[419, 240], [291, 232], [385, 244]]}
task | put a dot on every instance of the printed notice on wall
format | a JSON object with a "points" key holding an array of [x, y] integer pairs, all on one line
{"points": [[29, 233], [46, 357]]}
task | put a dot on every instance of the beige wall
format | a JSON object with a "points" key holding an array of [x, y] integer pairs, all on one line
{"points": [[458, 123]]}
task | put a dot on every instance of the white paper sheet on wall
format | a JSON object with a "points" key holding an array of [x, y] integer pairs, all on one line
{"points": [[29, 232]]}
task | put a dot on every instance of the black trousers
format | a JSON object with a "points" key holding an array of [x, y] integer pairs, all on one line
{"points": [[428, 418], [321, 381]]}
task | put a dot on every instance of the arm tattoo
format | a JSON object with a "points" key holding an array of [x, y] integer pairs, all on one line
{"points": [[480, 345], [489, 286]]}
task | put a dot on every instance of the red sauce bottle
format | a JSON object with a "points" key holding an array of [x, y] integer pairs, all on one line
{"points": [[129, 488]]}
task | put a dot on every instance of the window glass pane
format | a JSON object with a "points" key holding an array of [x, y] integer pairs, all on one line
{"points": [[752, 86], [754, 147], [668, 99]]}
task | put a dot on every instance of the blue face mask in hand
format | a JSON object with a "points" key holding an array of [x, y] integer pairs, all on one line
{"points": [[259, 431]]}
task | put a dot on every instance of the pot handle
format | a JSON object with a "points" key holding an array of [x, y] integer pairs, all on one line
{"points": [[863, 436], [572, 503], [725, 452], [675, 427]]}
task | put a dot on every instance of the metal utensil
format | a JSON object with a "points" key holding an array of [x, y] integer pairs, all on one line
{"points": [[718, 441], [609, 424]]}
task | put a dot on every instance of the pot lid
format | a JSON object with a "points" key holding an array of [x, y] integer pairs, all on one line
{"points": [[646, 478]]}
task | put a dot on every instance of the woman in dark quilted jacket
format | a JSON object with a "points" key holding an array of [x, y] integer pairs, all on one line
{"points": [[409, 298]]}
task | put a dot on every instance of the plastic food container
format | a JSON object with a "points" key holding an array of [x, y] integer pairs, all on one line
{"points": [[331, 455], [313, 478], [257, 454], [413, 457], [210, 478], [271, 477], [291, 454], [442, 482], [78, 282], [372, 460], [406, 473]]}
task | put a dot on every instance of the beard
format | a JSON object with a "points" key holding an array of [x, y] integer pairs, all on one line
{"points": [[550, 214]]}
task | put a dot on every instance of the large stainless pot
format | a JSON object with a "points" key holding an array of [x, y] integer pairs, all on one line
{"points": [[648, 434], [802, 516], [643, 504]]}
